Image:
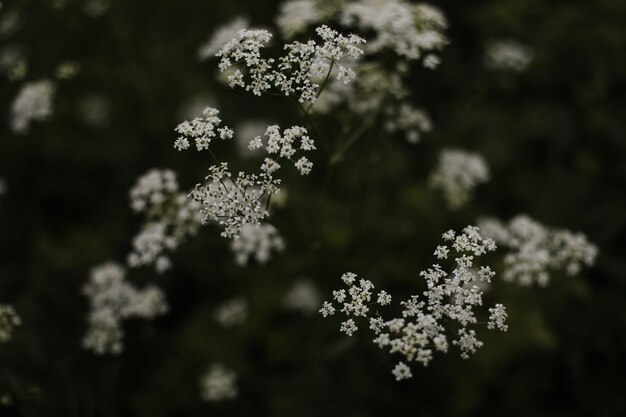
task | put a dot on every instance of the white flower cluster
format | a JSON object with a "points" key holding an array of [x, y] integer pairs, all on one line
{"points": [[295, 16], [509, 55], [13, 63], [409, 120], [236, 200], [171, 217], [8, 321], [218, 384], [232, 312], [246, 130], [258, 241], [408, 29], [411, 31], [292, 74], [67, 70], [202, 130], [113, 300], [457, 174], [32, 103], [303, 296], [221, 36], [536, 250], [450, 297]]}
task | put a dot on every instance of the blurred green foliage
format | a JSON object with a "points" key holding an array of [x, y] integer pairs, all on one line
{"points": [[554, 137]]}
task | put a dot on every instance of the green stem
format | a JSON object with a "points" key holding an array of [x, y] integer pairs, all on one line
{"points": [[319, 92], [350, 140]]}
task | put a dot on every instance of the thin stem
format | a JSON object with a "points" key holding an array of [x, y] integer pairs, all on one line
{"points": [[319, 92], [350, 140], [217, 161], [311, 123]]}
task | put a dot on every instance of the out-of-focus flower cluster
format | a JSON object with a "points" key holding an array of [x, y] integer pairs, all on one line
{"points": [[32, 103], [457, 174], [410, 31], [303, 296], [171, 218], [508, 55], [535, 251], [113, 300], [256, 241], [8, 321], [232, 312], [450, 297], [218, 384]]}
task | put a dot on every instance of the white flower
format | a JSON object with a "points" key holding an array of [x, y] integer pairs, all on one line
{"points": [[232, 312], [218, 384], [508, 54], [401, 371], [497, 318], [534, 250], [258, 241], [171, 218], [112, 300], [201, 130], [348, 327], [8, 321], [457, 174], [304, 165], [432, 61], [32, 103], [407, 29], [327, 309], [450, 297], [412, 121], [303, 296], [234, 201], [221, 36], [383, 298], [291, 74]]}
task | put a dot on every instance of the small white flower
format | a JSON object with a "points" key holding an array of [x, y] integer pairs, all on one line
{"points": [[402, 371], [218, 384], [383, 298], [348, 327], [327, 309]]}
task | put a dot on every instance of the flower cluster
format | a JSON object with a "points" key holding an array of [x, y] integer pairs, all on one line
{"points": [[411, 31], [232, 312], [13, 62], [457, 174], [536, 250], [171, 218], [32, 103], [202, 130], [409, 120], [508, 55], [113, 300], [236, 200], [218, 384], [408, 29], [294, 73], [8, 321], [303, 296], [258, 241], [221, 36], [450, 297]]}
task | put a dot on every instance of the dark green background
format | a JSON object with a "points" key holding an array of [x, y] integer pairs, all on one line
{"points": [[554, 137]]}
